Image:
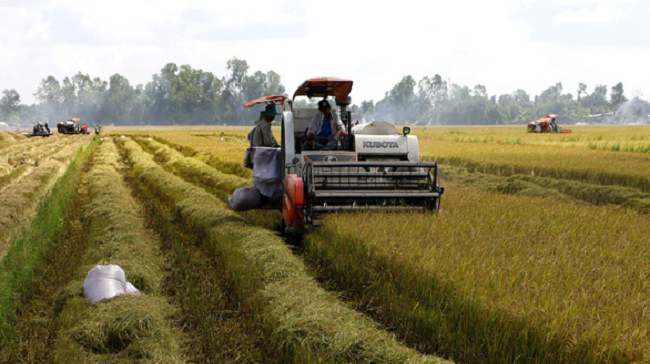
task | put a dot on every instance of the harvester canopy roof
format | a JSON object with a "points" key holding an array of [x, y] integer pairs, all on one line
{"points": [[325, 86], [269, 100]]}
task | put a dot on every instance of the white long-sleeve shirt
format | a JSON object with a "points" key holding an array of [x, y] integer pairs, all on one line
{"points": [[317, 123]]}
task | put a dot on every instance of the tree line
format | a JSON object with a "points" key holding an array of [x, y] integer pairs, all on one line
{"points": [[174, 96], [187, 96], [433, 101]]}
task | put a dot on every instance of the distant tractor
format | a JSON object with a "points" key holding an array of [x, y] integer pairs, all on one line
{"points": [[39, 130], [71, 126], [546, 125]]}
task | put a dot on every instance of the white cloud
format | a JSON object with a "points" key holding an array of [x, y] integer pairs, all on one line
{"points": [[471, 42], [604, 12]]}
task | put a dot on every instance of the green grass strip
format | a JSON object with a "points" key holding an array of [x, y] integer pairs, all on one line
{"points": [[25, 258], [304, 322]]}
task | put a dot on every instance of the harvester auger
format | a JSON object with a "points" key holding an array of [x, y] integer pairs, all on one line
{"points": [[374, 168]]}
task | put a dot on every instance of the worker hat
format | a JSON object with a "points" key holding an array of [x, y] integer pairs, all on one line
{"points": [[270, 111], [324, 104]]}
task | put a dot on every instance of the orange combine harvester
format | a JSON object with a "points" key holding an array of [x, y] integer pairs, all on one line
{"points": [[546, 125]]}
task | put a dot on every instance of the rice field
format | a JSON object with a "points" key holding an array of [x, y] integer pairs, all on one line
{"points": [[542, 254]]}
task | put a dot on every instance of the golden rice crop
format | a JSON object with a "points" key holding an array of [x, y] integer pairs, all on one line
{"points": [[578, 273], [581, 137], [497, 151], [125, 327], [562, 189], [304, 322]]}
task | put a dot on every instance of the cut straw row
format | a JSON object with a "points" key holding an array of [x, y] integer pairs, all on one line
{"points": [[175, 162], [123, 328], [304, 321], [18, 201]]}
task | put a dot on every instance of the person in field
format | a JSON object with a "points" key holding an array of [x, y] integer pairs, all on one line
{"points": [[324, 127], [262, 134]]}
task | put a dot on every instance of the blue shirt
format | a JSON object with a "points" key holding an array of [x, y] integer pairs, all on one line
{"points": [[326, 130]]}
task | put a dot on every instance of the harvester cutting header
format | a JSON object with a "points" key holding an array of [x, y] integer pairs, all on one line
{"points": [[371, 167]]}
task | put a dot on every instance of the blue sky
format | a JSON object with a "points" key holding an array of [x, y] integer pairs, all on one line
{"points": [[503, 45]]}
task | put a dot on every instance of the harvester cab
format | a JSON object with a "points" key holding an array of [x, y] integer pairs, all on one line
{"points": [[374, 168], [546, 125]]}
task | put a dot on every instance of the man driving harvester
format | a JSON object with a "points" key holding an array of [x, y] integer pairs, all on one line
{"points": [[324, 127]]}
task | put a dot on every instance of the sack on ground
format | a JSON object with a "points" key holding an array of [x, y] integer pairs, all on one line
{"points": [[106, 281], [244, 199], [130, 289]]}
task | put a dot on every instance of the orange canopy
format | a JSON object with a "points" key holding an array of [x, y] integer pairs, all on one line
{"points": [[325, 86], [270, 100]]}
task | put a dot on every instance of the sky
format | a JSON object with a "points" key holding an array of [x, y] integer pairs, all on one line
{"points": [[501, 44]]}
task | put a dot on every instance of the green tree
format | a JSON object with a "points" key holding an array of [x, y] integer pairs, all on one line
{"points": [[520, 96], [617, 96], [480, 91], [120, 102], [582, 90], [49, 91], [551, 94], [400, 99], [9, 103]]}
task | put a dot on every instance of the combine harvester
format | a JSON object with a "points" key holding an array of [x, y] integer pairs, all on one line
{"points": [[546, 125], [71, 126], [374, 168]]}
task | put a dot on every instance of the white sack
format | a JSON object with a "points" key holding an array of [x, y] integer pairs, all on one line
{"points": [[104, 281], [130, 289], [267, 170], [246, 198]]}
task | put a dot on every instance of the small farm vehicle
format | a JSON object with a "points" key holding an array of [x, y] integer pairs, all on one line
{"points": [[546, 125], [39, 130], [71, 126], [373, 168]]}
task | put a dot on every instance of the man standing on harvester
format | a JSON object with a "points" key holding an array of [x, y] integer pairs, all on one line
{"points": [[263, 135], [324, 127]]}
